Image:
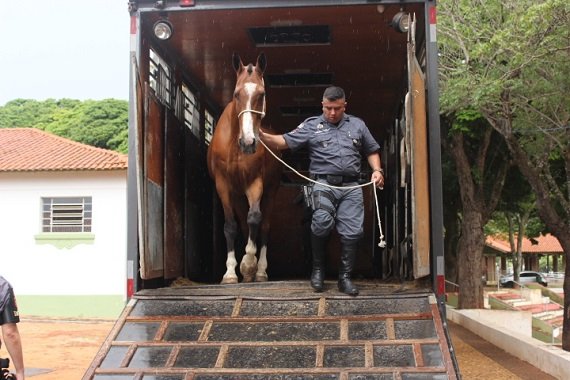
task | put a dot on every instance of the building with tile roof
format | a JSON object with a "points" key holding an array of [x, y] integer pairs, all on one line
{"points": [[63, 222], [532, 250], [33, 150], [543, 244]]}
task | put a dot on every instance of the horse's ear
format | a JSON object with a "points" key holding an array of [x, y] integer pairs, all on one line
{"points": [[236, 60], [261, 62]]}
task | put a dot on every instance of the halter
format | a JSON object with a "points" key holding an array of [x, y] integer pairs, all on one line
{"points": [[262, 113]]}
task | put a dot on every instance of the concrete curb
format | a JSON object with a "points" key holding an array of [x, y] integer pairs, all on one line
{"points": [[495, 327]]}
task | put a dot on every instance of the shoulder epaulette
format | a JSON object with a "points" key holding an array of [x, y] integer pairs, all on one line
{"points": [[310, 119]]}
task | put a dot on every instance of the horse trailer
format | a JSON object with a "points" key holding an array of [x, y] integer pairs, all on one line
{"points": [[179, 321]]}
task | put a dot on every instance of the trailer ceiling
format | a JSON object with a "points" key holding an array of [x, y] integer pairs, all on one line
{"points": [[307, 49]]}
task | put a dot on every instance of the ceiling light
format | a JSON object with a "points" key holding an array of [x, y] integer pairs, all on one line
{"points": [[162, 30], [401, 22]]}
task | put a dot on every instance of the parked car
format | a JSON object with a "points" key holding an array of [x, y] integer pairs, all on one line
{"points": [[525, 277]]}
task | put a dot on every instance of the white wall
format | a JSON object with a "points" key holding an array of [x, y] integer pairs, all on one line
{"points": [[36, 269]]}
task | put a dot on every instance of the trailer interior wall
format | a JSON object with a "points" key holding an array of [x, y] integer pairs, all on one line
{"points": [[181, 85]]}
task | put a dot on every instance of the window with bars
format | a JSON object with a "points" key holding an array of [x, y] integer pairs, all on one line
{"points": [[190, 112], [208, 127], [67, 214], [160, 78]]}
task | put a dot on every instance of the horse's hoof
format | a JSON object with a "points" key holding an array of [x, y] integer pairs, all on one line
{"points": [[247, 279], [229, 280], [261, 278]]}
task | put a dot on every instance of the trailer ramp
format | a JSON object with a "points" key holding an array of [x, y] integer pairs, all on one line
{"points": [[276, 330]]}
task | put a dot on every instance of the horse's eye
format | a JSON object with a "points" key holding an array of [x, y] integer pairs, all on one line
{"points": [[236, 95]]}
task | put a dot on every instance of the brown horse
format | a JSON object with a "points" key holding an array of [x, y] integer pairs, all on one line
{"points": [[246, 175]]}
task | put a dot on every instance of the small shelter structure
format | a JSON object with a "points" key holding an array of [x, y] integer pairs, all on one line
{"points": [[497, 255]]}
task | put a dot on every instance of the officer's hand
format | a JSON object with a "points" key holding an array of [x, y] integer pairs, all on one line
{"points": [[378, 179], [265, 137]]}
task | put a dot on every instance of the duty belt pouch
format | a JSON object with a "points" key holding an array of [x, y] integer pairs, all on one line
{"points": [[308, 196], [334, 179], [324, 201]]}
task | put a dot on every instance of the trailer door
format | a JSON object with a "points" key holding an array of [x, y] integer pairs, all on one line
{"points": [[151, 252], [160, 173], [419, 160]]}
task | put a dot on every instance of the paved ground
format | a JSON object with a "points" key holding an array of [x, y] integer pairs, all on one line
{"points": [[479, 359], [63, 350]]}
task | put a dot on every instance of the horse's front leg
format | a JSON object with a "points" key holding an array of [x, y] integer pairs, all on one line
{"points": [[230, 231], [249, 266], [261, 274]]}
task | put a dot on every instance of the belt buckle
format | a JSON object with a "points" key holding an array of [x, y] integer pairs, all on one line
{"points": [[335, 179]]}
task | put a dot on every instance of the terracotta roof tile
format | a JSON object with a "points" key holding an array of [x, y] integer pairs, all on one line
{"points": [[31, 149], [541, 244]]}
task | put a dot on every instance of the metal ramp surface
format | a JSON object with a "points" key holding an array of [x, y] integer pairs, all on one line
{"points": [[277, 331]]}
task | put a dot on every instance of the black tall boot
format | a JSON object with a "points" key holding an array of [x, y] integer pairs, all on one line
{"points": [[347, 257], [318, 246]]}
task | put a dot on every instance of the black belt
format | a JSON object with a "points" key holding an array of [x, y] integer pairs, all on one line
{"points": [[335, 179]]}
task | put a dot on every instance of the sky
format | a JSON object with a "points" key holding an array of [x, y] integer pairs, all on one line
{"points": [[76, 49]]}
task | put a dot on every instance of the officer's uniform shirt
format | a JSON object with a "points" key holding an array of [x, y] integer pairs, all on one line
{"points": [[333, 149], [8, 307], [5, 289]]}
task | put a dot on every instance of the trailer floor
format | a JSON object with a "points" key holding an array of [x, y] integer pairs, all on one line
{"points": [[277, 330]]}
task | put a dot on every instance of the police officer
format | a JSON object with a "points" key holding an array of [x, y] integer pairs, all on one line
{"points": [[9, 316], [336, 142]]}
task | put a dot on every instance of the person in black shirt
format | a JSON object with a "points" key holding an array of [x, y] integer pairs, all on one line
{"points": [[9, 317]]}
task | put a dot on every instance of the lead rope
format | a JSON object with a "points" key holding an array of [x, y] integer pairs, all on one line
{"points": [[381, 242]]}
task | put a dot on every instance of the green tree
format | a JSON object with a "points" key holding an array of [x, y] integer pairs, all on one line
{"points": [[509, 60], [516, 217], [477, 154], [26, 113], [451, 212], [96, 123], [102, 123]]}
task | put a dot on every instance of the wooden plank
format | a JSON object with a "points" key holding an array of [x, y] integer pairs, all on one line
{"points": [[174, 198], [153, 196], [419, 165], [139, 146]]}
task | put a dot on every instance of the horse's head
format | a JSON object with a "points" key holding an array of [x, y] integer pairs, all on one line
{"points": [[249, 98]]}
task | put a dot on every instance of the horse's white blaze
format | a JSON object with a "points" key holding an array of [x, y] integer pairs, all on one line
{"points": [[247, 117]]}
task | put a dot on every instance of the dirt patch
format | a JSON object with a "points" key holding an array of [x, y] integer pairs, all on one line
{"points": [[60, 350]]}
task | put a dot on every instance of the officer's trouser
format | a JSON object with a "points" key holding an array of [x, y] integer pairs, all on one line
{"points": [[343, 208]]}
